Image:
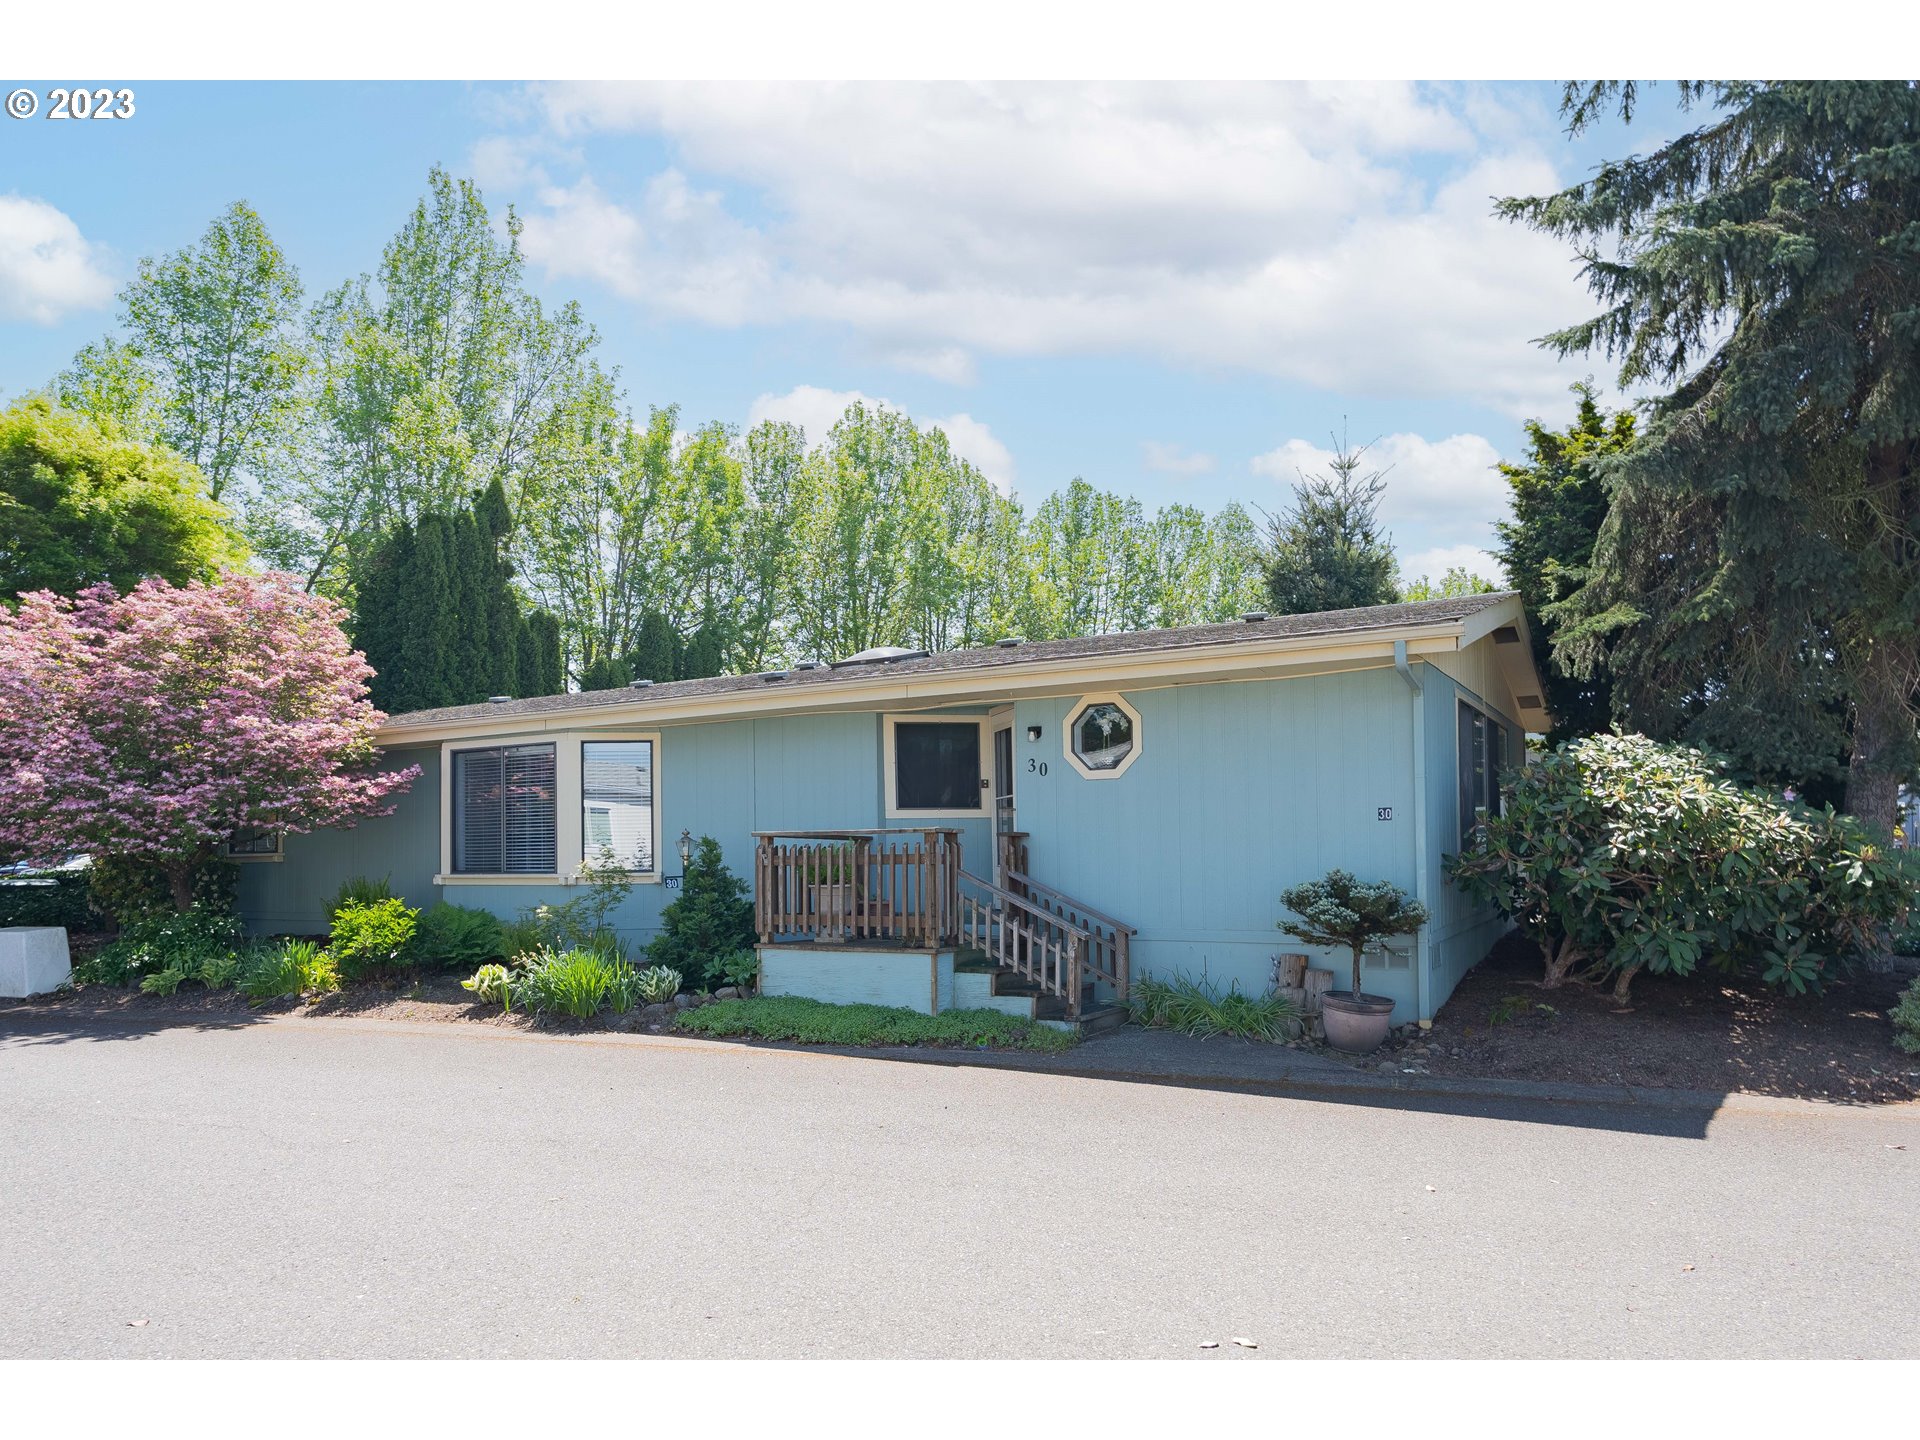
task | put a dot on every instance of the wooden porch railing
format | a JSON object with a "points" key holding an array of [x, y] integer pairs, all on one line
{"points": [[857, 885], [1061, 956], [1109, 943]]}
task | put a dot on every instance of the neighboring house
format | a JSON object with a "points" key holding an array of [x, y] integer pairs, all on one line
{"points": [[1086, 811]]}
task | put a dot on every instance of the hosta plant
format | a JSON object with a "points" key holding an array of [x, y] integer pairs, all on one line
{"points": [[657, 984], [1617, 854], [492, 984]]}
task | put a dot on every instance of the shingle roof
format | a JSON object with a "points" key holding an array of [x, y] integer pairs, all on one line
{"points": [[993, 657]]}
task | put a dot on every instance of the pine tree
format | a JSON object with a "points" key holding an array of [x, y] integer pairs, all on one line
{"points": [[1559, 502], [711, 919], [1752, 585], [542, 655], [1327, 551], [706, 652], [656, 652]]}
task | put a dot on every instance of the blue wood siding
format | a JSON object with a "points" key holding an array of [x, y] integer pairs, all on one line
{"points": [[1239, 791]]}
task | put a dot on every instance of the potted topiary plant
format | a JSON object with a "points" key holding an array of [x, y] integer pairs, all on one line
{"points": [[1338, 910]]}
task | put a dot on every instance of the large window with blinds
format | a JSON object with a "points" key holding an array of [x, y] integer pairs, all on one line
{"points": [[1483, 754], [616, 802], [504, 812]]}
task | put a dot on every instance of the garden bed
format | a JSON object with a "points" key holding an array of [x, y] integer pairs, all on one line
{"points": [[1708, 1032], [440, 997]]}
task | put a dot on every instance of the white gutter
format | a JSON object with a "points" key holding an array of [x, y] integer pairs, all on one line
{"points": [[1420, 887]]}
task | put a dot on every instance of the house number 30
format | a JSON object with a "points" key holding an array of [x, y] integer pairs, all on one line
{"points": [[1036, 767]]}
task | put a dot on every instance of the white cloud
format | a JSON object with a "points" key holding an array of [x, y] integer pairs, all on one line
{"points": [[1441, 499], [1165, 459], [816, 410], [47, 267], [1435, 563], [1290, 230]]}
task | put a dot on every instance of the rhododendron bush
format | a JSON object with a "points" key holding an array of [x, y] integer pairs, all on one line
{"points": [[154, 727]]}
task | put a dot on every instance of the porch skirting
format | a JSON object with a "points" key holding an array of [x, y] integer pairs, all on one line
{"points": [[860, 975]]}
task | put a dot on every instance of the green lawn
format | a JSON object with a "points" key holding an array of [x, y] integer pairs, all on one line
{"points": [[813, 1022]]}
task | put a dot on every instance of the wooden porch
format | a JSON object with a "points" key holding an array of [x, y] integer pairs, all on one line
{"points": [[908, 889]]}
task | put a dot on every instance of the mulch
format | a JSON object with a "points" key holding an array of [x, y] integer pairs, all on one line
{"points": [[1706, 1032]]}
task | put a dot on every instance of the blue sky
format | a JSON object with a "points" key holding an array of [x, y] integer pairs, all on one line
{"points": [[1177, 292]]}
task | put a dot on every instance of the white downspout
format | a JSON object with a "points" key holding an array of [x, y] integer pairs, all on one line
{"points": [[1419, 822]]}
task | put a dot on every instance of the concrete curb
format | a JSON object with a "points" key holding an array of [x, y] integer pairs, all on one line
{"points": [[1333, 1082]]}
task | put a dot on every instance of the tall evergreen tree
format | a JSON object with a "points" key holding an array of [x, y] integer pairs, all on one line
{"points": [[431, 629], [1559, 502], [656, 653], [1327, 551], [1753, 584]]}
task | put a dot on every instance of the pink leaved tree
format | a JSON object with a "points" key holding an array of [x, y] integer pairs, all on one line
{"points": [[154, 727]]}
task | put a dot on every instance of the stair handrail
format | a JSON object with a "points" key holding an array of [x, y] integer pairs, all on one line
{"points": [[1066, 899]]}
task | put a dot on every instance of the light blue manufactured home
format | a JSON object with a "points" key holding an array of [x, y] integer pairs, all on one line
{"points": [[1036, 823]]}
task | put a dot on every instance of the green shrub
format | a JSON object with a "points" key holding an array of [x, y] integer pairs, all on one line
{"points": [[492, 984], [814, 1022], [711, 918], [359, 891], [1344, 913], [176, 940], [741, 970], [522, 938], [582, 921], [1906, 1019], [57, 897], [657, 984], [455, 937], [293, 967], [372, 938], [1198, 1008], [571, 982], [1617, 854], [129, 891]]}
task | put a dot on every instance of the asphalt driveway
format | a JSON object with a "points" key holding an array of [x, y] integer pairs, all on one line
{"points": [[343, 1188]]}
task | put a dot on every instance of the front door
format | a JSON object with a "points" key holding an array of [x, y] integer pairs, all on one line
{"points": [[1003, 817]]}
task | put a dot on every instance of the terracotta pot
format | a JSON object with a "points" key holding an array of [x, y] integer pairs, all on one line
{"points": [[1355, 1023]]}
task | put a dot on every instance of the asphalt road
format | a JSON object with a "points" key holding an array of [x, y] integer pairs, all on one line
{"points": [[342, 1188]]}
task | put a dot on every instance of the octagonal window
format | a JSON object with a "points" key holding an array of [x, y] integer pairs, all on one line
{"points": [[1104, 736]]}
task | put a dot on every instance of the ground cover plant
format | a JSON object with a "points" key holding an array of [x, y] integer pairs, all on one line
{"points": [[1617, 854], [814, 1022], [1906, 1020], [181, 942], [1198, 1008]]}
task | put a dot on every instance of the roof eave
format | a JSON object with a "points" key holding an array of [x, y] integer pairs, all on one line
{"points": [[1005, 681]]}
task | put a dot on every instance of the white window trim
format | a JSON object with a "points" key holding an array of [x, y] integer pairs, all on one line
{"points": [[894, 812], [1119, 702], [278, 854], [569, 802]]}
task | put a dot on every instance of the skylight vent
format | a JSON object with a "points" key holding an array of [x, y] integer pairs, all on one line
{"points": [[1010, 641], [770, 676], [638, 684], [1253, 617], [882, 655]]}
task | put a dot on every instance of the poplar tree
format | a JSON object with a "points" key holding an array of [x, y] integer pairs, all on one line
{"points": [[1753, 583]]}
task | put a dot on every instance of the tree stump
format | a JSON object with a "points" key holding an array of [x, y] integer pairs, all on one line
{"points": [[1316, 984]]}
